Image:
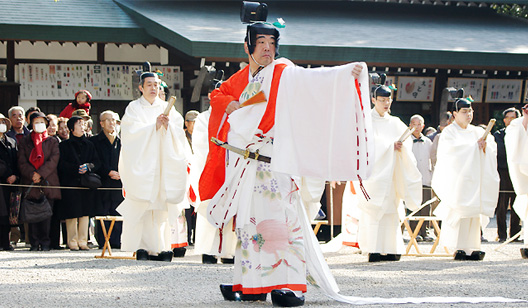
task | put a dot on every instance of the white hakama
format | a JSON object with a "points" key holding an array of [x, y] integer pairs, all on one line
{"points": [[153, 169], [467, 182], [395, 178], [516, 142]]}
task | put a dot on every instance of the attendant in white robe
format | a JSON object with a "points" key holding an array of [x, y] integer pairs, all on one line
{"points": [[516, 142], [395, 178], [466, 181], [153, 169], [207, 236]]}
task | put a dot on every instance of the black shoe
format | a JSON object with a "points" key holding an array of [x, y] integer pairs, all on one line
{"points": [[428, 239], [229, 294], [142, 255], [502, 240], [209, 259], [227, 260], [8, 248], [374, 257], [460, 255], [179, 252], [57, 248], [419, 239], [286, 298], [524, 253], [390, 257], [476, 256], [45, 248], [165, 256], [34, 248]]}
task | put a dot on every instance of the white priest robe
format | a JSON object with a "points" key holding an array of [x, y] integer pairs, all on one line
{"points": [[516, 142], [467, 182], [395, 178], [207, 236], [316, 110], [153, 169]]}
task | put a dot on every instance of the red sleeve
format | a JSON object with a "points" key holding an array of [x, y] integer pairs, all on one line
{"points": [[213, 175], [67, 111]]}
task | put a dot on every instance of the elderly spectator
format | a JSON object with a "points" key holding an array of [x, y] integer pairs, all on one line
{"points": [[62, 131], [18, 129], [422, 152], [108, 145], [38, 157], [8, 175], [506, 195], [82, 101], [53, 126], [77, 156]]}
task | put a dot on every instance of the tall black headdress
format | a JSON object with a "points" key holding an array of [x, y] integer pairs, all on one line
{"points": [[460, 101], [380, 89], [255, 14]]}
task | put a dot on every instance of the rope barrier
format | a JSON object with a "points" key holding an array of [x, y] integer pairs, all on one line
{"points": [[60, 187]]}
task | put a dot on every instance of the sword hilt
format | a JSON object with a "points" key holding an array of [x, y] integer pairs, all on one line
{"points": [[216, 141]]}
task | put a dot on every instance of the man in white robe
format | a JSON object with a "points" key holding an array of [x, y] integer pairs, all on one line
{"points": [[153, 169], [466, 181], [395, 178], [207, 236], [516, 142], [276, 244]]}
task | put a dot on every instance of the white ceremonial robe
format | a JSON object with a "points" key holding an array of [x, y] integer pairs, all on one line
{"points": [[276, 243], [153, 169], [350, 214], [395, 178], [207, 236], [516, 142], [467, 182]]}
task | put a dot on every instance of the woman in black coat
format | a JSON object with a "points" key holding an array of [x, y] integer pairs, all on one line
{"points": [[8, 175], [78, 156]]}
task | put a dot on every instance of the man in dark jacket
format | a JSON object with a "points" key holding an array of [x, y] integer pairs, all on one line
{"points": [[108, 145], [506, 195]]}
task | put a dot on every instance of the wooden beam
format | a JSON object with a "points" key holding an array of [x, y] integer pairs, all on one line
{"points": [[10, 52], [101, 52]]}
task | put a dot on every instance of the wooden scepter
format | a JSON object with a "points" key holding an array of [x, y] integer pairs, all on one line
{"points": [[488, 129], [172, 100], [406, 134]]}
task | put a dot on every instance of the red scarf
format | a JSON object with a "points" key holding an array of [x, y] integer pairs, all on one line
{"points": [[36, 158]]}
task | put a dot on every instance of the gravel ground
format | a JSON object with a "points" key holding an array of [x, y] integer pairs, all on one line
{"points": [[68, 279]]}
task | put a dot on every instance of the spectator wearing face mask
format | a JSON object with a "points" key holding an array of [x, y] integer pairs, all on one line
{"points": [[38, 157]]}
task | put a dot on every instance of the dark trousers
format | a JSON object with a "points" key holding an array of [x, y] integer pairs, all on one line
{"points": [[425, 211], [190, 216], [5, 228], [506, 199], [39, 233], [55, 226]]}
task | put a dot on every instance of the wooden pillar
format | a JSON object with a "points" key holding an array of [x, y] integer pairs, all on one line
{"points": [[10, 51], [101, 52]]}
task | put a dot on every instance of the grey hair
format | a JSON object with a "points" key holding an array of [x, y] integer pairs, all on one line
{"points": [[10, 111], [419, 117]]}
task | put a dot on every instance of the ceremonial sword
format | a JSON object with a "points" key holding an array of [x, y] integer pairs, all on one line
{"points": [[245, 153]]}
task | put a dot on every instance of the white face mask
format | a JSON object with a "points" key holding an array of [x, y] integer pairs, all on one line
{"points": [[39, 127], [3, 128]]}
